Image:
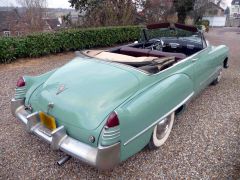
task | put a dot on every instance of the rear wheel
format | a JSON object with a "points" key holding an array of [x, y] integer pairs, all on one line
{"points": [[161, 132], [180, 110]]}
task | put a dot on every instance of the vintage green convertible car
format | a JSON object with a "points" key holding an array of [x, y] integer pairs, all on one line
{"points": [[105, 106]]}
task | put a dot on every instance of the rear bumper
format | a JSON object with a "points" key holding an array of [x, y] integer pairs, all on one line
{"points": [[100, 157]]}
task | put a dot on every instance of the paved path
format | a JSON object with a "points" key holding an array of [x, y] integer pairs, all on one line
{"points": [[204, 143]]}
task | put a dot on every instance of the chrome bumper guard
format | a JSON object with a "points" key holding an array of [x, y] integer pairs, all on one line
{"points": [[100, 157]]}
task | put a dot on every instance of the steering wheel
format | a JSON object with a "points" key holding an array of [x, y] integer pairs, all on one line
{"points": [[157, 44]]}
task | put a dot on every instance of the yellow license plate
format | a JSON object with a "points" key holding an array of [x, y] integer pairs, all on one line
{"points": [[48, 121]]}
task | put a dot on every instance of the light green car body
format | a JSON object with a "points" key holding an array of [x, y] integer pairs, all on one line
{"points": [[95, 88]]}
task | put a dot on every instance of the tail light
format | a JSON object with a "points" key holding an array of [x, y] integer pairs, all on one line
{"points": [[112, 120], [21, 82]]}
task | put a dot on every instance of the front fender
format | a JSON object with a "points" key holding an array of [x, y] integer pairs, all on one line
{"points": [[139, 115], [221, 54]]}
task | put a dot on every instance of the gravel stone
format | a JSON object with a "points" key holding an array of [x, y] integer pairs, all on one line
{"points": [[204, 143]]}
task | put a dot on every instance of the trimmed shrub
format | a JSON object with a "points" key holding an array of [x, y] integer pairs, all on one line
{"points": [[41, 44]]}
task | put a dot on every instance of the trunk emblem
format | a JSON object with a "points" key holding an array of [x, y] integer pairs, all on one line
{"points": [[61, 88]]}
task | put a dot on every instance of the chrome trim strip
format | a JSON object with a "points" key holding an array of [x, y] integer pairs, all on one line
{"points": [[20, 90], [110, 135], [110, 132], [111, 138], [153, 124]]}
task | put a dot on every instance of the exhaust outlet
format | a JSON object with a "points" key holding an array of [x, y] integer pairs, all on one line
{"points": [[63, 160]]}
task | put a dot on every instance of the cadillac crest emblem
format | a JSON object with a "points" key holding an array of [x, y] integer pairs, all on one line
{"points": [[61, 88]]}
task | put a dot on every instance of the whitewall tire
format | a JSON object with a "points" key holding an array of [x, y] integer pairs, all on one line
{"points": [[161, 132]]}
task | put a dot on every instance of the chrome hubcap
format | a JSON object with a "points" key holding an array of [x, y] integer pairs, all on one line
{"points": [[163, 127]]}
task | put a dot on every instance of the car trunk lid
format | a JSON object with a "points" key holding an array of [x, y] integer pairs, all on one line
{"points": [[85, 92]]}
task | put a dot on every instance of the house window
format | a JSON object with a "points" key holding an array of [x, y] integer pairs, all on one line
{"points": [[6, 33], [18, 33]]}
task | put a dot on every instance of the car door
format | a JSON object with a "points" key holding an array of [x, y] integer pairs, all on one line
{"points": [[203, 68]]}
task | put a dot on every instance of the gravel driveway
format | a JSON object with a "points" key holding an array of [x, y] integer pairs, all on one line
{"points": [[204, 143]]}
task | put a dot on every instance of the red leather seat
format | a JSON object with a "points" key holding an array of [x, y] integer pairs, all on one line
{"points": [[137, 52]]}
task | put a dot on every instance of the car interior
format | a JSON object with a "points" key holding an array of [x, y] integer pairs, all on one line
{"points": [[154, 54]]}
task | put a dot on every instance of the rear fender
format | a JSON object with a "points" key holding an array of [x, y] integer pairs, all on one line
{"points": [[139, 115], [221, 54], [33, 82]]}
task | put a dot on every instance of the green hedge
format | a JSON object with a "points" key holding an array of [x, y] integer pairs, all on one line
{"points": [[70, 40]]}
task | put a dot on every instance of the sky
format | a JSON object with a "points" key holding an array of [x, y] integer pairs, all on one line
{"points": [[51, 3], [56, 3]]}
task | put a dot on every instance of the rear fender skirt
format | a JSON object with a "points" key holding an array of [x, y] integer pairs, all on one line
{"points": [[156, 122], [139, 115]]}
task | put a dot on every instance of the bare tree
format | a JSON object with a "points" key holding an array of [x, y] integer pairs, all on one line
{"points": [[34, 13], [67, 19], [157, 10], [200, 7], [139, 4], [222, 3], [106, 12]]}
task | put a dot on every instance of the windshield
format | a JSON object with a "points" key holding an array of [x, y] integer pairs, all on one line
{"points": [[148, 34]]}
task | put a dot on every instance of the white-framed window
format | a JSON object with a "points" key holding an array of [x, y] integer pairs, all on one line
{"points": [[18, 33], [6, 33]]}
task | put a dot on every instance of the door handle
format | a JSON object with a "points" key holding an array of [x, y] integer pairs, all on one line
{"points": [[194, 59]]}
